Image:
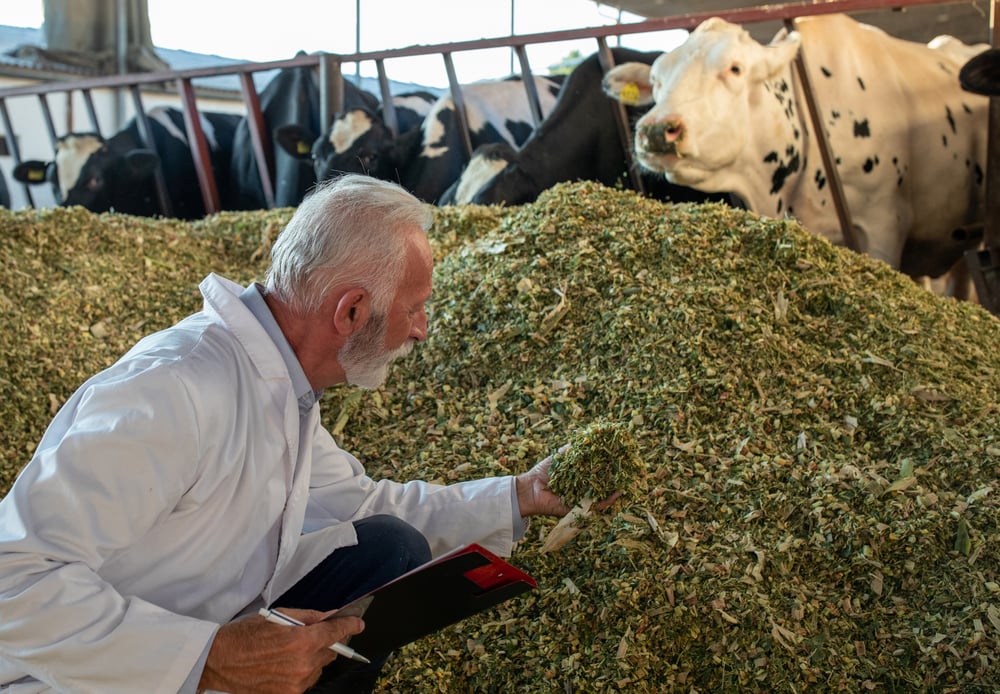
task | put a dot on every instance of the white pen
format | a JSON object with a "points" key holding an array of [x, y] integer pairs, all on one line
{"points": [[281, 618]]}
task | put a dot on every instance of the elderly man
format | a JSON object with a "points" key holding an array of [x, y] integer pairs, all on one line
{"points": [[191, 482]]}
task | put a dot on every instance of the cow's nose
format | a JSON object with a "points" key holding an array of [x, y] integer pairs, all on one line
{"points": [[661, 136]]}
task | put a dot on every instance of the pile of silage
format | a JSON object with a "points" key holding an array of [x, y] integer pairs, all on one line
{"points": [[820, 433], [819, 436], [78, 290]]}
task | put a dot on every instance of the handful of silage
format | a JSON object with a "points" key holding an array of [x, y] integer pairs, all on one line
{"points": [[601, 459]]}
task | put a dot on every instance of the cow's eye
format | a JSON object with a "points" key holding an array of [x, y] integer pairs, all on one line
{"points": [[735, 69]]}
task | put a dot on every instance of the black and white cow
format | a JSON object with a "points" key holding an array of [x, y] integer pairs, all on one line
{"points": [[910, 146], [303, 143], [578, 140], [291, 97], [427, 160], [118, 174]]}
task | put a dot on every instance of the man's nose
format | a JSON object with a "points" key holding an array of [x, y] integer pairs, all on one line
{"points": [[419, 330]]}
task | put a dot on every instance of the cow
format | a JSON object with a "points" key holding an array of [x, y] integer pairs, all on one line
{"points": [[910, 146], [119, 173], [578, 140], [291, 97], [303, 143], [427, 160]]}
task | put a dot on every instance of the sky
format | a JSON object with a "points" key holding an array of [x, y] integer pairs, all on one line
{"points": [[239, 29]]}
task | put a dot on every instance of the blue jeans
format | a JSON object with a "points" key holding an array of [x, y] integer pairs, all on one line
{"points": [[387, 548]]}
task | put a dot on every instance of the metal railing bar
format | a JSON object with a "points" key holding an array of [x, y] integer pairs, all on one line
{"points": [[825, 152], [530, 88], [331, 88], [262, 150], [458, 100], [88, 103], [199, 149], [388, 108], [15, 150], [50, 128], [607, 60], [146, 135]]}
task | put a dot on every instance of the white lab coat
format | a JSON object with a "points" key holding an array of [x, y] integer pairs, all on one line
{"points": [[136, 528]]}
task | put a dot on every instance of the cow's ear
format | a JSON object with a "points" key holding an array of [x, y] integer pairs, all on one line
{"points": [[141, 162], [295, 140], [629, 84], [779, 54], [981, 75], [31, 171]]}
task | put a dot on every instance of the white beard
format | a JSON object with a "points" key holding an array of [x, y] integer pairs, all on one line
{"points": [[365, 363]]}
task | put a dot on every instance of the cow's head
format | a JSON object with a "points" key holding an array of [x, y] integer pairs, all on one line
{"points": [[701, 93], [355, 143], [114, 180], [72, 152], [91, 172], [358, 141]]}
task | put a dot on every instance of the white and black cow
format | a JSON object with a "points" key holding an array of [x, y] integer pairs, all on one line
{"points": [[118, 174], [292, 97], [578, 140], [910, 145], [428, 159], [303, 143]]}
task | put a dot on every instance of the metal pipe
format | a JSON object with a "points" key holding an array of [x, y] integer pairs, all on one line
{"points": [[146, 135], [607, 61], [15, 151], [829, 165], [199, 149], [259, 140], [458, 100]]}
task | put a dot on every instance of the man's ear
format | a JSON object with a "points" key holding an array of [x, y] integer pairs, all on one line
{"points": [[353, 310]]}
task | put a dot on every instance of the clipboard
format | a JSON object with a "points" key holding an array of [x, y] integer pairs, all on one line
{"points": [[441, 592]]}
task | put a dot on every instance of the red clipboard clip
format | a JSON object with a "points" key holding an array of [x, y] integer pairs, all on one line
{"points": [[497, 573]]}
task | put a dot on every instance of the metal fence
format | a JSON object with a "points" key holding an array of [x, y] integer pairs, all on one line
{"points": [[330, 69]]}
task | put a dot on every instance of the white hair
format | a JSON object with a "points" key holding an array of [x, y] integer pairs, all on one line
{"points": [[348, 231]]}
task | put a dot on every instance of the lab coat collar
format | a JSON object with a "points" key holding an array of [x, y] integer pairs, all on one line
{"points": [[222, 300], [253, 298]]}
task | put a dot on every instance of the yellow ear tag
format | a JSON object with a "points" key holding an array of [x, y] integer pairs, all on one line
{"points": [[630, 94]]}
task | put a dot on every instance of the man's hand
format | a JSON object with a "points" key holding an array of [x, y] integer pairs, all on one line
{"points": [[533, 494], [536, 499], [254, 655]]}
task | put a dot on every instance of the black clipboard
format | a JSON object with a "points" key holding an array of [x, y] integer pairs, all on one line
{"points": [[443, 591]]}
